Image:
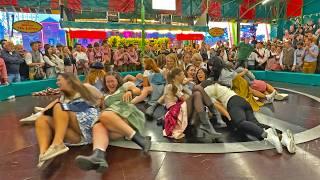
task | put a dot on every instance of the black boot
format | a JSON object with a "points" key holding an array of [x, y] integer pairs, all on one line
{"points": [[143, 142], [96, 161], [206, 127], [150, 110]]}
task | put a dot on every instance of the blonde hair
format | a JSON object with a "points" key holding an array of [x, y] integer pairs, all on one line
{"points": [[173, 57], [93, 75], [196, 56]]}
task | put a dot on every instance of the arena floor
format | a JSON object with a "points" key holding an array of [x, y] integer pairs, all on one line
{"points": [[171, 160]]}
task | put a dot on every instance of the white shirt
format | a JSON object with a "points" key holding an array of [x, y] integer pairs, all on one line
{"points": [[28, 58], [221, 93], [80, 56], [265, 53]]}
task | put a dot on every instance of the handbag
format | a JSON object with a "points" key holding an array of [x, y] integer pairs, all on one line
{"points": [[39, 74]]}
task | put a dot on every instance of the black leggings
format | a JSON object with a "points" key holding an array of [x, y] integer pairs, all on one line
{"points": [[196, 103], [243, 118]]}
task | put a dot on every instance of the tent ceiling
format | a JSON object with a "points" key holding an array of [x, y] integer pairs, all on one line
{"points": [[218, 9]]}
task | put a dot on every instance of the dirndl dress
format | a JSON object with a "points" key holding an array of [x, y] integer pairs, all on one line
{"points": [[86, 114], [125, 110]]}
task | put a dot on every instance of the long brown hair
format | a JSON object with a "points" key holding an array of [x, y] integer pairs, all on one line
{"points": [[150, 64], [78, 87], [172, 74], [118, 78]]}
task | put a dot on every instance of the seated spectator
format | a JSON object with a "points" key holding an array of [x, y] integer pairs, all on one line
{"points": [[13, 61]]}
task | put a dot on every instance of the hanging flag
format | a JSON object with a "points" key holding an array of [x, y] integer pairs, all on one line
{"points": [[121, 6], [294, 8], [8, 2], [214, 9], [245, 11]]}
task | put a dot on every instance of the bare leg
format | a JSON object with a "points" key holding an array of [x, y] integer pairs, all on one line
{"points": [[43, 132], [100, 137], [61, 120], [270, 88], [257, 93], [115, 123], [144, 93]]}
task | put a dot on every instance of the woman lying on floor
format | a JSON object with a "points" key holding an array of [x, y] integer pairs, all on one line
{"points": [[119, 119], [68, 119], [152, 82], [186, 108], [241, 117]]}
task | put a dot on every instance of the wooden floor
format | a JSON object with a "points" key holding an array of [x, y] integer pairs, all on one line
{"points": [[19, 154]]}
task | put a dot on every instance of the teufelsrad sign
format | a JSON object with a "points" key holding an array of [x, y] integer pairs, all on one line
{"points": [[216, 32], [27, 26]]}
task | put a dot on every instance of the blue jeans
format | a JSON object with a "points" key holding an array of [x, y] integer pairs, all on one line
{"points": [[14, 78]]}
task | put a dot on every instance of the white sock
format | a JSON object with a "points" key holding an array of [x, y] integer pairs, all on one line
{"points": [[131, 135]]}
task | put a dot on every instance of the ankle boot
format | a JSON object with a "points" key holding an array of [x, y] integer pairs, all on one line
{"points": [[143, 142], [206, 126], [96, 161], [149, 111]]}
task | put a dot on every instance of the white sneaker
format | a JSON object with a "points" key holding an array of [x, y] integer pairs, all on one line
{"points": [[42, 164], [280, 96], [37, 109], [288, 141], [31, 118], [271, 96], [273, 138]]}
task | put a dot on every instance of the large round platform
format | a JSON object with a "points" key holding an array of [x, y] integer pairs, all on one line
{"points": [[300, 113], [294, 113]]}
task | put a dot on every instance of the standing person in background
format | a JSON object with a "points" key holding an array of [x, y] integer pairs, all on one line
{"points": [[261, 56], [311, 54], [133, 58], [90, 53], [69, 61], [54, 64], [287, 57], [3, 73], [59, 52], [120, 58], [24, 68], [244, 50], [298, 57], [34, 60], [148, 52], [2, 42], [82, 60], [253, 41], [106, 54], [13, 61], [40, 45], [97, 53]]}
